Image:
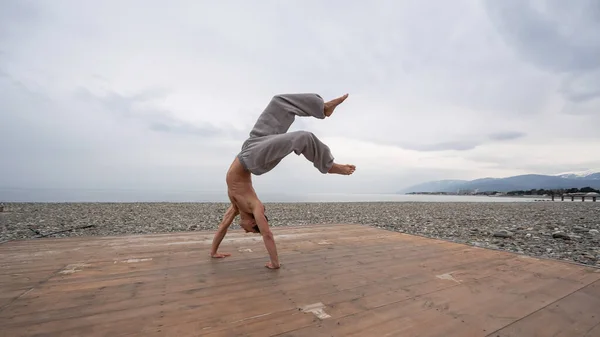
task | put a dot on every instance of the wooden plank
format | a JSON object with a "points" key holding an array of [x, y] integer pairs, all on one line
{"points": [[471, 309], [238, 289], [46, 313], [412, 317], [482, 304], [380, 293], [368, 280], [85, 278], [593, 332], [317, 284], [577, 314]]}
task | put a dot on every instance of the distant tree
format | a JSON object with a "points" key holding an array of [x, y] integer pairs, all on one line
{"points": [[588, 190], [542, 191]]}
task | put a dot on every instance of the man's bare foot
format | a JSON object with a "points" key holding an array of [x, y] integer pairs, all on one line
{"points": [[331, 105], [270, 265], [346, 169], [220, 255]]}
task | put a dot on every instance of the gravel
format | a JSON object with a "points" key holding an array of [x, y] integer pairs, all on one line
{"points": [[558, 230]]}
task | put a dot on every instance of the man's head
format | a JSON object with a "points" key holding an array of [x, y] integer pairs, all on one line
{"points": [[248, 223]]}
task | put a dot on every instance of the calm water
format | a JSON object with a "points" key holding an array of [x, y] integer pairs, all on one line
{"points": [[56, 195], [399, 198]]}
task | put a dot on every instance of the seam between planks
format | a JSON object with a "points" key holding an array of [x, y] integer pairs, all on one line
{"points": [[592, 328], [544, 307], [31, 288]]}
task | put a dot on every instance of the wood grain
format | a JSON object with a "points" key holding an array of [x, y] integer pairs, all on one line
{"points": [[369, 282]]}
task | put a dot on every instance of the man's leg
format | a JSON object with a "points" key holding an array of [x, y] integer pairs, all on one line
{"points": [[266, 146], [270, 151], [282, 110]]}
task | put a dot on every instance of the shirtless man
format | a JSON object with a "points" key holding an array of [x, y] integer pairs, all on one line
{"points": [[268, 144]]}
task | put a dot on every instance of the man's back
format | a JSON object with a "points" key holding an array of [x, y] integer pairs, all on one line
{"points": [[239, 187]]}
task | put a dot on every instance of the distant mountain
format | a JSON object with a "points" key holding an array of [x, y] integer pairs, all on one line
{"points": [[589, 175], [520, 182]]}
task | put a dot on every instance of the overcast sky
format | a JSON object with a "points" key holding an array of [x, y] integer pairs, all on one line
{"points": [[160, 95]]}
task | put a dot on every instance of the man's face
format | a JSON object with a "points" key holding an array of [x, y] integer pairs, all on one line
{"points": [[249, 225]]}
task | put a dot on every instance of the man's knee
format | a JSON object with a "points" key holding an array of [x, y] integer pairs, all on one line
{"points": [[307, 139], [305, 136]]}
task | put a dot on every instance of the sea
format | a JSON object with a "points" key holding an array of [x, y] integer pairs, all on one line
{"points": [[99, 195]]}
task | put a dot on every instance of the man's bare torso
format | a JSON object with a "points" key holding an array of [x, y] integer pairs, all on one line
{"points": [[240, 189]]}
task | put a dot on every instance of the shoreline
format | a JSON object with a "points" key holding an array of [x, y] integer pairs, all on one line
{"points": [[324, 198], [270, 197]]}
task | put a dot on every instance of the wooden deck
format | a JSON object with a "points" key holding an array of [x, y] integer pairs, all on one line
{"points": [[339, 280]]}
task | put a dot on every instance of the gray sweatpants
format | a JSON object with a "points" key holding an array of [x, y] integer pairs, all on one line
{"points": [[269, 141]]}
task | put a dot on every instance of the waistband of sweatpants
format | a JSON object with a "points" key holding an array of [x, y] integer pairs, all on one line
{"points": [[241, 158]]}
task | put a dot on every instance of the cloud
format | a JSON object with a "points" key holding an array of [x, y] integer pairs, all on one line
{"points": [[457, 146], [138, 108], [464, 144], [141, 95], [581, 87], [555, 36], [509, 135], [551, 34], [539, 156]]}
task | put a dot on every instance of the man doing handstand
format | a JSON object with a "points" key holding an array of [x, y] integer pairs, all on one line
{"points": [[268, 144]]}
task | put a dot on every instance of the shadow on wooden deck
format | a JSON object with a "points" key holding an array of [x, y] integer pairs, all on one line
{"points": [[335, 280]]}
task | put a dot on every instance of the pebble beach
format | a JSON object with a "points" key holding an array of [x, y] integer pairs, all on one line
{"points": [[558, 230]]}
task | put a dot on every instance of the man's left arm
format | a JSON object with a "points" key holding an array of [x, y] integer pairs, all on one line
{"points": [[268, 239], [230, 215]]}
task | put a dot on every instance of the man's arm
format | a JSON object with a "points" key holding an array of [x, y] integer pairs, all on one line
{"points": [[268, 239], [230, 214]]}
